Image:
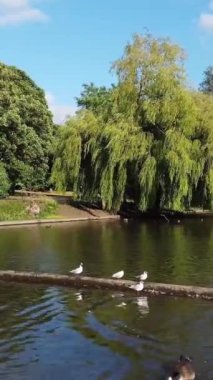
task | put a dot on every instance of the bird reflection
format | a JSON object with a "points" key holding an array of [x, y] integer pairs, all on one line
{"points": [[117, 295], [79, 296], [143, 305], [122, 304]]}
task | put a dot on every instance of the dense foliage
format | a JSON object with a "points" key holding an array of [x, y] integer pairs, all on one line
{"points": [[97, 99], [207, 84], [148, 138], [4, 181], [25, 129]]}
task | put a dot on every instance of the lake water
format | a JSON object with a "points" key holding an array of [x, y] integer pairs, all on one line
{"points": [[56, 333]]}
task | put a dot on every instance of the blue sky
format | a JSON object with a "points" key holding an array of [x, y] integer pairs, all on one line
{"points": [[62, 44]]}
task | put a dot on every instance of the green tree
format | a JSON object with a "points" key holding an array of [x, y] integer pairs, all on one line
{"points": [[4, 181], [152, 92], [99, 100], [204, 155], [25, 129], [207, 84], [149, 144]]}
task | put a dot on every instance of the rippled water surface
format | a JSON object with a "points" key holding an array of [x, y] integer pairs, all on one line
{"points": [[57, 333]]}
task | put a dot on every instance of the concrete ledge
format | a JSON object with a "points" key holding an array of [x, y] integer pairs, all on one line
{"points": [[150, 288], [54, 221]]}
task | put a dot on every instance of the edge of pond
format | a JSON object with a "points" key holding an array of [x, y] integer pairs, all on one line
{"points": [[54, 221]]}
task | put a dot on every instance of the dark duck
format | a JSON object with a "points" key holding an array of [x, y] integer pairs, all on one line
{"points": [[183, 369]]}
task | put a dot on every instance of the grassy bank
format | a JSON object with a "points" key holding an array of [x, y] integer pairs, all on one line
{"points": [[17, 209]]}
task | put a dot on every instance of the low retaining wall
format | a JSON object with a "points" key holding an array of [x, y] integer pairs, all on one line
{"points": [[106, 283], [54, 221]]}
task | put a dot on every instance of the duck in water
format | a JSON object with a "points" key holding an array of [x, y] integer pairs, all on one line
{"points": [[183, 370]]}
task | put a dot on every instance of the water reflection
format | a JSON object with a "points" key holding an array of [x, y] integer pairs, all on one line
{"points": [[170, 253], [52, 332], [143, 305], [118, 295], [122, 304], [79, 296], [63, 333]]}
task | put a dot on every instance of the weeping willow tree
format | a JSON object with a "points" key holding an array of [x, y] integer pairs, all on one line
{"points": [[153, 144], [93, 158], [204, 157]]}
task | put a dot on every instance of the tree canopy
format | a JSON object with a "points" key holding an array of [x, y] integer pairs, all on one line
{"points": [[25, 129], [147, 138], [4, 181], [99, 100], [207, 83]]}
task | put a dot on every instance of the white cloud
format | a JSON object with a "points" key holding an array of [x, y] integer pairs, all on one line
{"points": [[206, 19], [13, 3], [19, 11], [206, 22], [60, 111]]}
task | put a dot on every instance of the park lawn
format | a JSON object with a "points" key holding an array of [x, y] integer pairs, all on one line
{"points": [[16, 209]]}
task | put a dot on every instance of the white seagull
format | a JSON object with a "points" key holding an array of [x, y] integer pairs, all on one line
{"points": [[78, 270], [118, 274], [137, 287], [143, 276]]}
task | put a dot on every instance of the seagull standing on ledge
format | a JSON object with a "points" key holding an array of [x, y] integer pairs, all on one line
{"points": [[137, 287], [143, 276], [78, 270], [118, 274]]}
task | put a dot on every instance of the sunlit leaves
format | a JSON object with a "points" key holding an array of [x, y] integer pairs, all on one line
{"points": [[148, 137], [25, 129]]}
